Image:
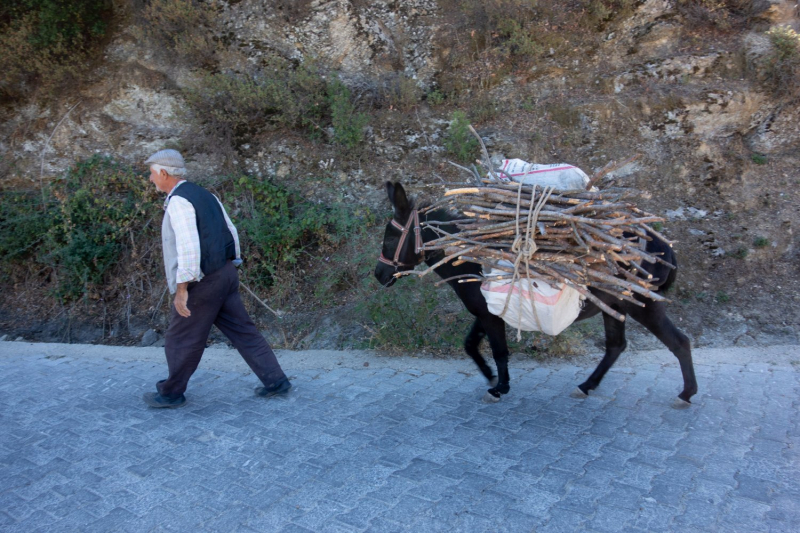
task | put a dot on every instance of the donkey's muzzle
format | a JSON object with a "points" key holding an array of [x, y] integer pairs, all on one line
{"points": [[385, 274]]}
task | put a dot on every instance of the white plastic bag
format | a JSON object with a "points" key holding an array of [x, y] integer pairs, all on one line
{"points": [[534, 305], [562, 176]]}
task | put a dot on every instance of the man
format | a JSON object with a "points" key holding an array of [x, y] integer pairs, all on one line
{"points": [[200, 247]]}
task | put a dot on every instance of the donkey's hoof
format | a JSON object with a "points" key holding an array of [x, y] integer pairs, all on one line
{"points": [[578, 394], [678, 403], [494, 381], [490, 398]]}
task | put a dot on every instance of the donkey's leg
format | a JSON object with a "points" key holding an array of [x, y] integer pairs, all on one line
{"points": [[615, 345], [472, 345], [654, 318], [495, 329]]}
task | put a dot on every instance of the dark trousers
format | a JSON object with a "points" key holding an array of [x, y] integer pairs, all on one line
{"points": [[214, 300]]}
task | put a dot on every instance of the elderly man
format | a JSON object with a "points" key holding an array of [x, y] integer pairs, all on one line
{"points": [[201, 246]]}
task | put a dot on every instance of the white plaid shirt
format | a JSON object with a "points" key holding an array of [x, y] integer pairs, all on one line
{"points": [[184, 224]]}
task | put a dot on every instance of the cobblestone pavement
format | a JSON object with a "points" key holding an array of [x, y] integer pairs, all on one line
{"points": [[372, 448]]}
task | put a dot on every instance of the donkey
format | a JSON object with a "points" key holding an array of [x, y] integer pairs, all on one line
{"points": [[398, 254]]}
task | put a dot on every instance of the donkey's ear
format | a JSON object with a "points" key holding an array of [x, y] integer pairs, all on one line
{"points": [[397, 195], [401, 203]]}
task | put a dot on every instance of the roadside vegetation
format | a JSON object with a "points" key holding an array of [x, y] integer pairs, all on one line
{"points": [[88, 239]]}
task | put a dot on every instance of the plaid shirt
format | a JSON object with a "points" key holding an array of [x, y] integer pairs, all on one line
{"points": [[184, 224]]}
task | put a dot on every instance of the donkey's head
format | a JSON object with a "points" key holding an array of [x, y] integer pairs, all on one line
{"points": [[401, 239]]}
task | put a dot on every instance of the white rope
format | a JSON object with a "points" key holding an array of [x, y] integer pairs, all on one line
{"points": [[525, 247]]}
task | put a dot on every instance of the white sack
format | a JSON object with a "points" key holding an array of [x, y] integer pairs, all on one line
{"points": [[562, 176], [534, 305]]}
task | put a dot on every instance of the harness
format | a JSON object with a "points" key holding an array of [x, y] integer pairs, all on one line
{"points": [[412, 219]]}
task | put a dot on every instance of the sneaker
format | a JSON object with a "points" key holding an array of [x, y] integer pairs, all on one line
{"points": [[154, 399], [281, 386]]}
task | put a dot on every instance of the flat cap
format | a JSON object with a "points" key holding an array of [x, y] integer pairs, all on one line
{"points": [[166, 158]]}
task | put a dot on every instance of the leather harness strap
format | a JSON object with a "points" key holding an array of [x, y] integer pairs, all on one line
{"points": [[412, 219]]}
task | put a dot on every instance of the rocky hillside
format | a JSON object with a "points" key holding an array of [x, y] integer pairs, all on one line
{"points": [[704, 92]]}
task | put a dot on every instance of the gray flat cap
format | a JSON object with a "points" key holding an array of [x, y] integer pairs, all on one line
{"points": [[166, 158]]}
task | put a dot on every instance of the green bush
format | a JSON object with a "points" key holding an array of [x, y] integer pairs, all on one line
{"points": [[104, 207], [459, 140], [348, 124], [435, 97], [79, 227], [413, 315], [276, 226], [760, 242], [520, 39], [26, 217], [740, 253], [44, 42]]}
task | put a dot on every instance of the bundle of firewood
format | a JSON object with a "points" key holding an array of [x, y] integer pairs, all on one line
{"points": [[579, 238]]}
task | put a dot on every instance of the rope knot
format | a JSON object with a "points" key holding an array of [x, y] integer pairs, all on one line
{"points": [[524, 247]]}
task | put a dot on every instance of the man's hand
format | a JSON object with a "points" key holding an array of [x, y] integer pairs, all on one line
{"points": [[182, 300]]}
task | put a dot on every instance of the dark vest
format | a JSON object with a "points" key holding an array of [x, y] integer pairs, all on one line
{"points": [[216, 242]]}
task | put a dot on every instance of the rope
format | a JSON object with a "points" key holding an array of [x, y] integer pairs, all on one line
{"points": [[525, 246]]}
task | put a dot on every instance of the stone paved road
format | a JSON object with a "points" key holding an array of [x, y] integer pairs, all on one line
{"points": [[374, 448]]}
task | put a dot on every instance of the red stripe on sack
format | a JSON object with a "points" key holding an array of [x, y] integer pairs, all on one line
{"points": [[540, 171], [504, 289]]}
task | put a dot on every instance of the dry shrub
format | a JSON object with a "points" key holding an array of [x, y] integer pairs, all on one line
{"points": [[293, 11], [723, 15], [44, 43], [183, 27], [485, 40], [782, 67], [231, 108], [399, 91]]}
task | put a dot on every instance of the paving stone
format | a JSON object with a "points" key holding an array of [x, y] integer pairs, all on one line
{"points": [[321, 513], [699, 514], [563, 521], [380, 450], [535, 502], [580, 499], [744, 514], [557, 481], [655, 517], [595, 477], [609, 519], [363, 512], [755, 488], [572, 462], [383, 525], [407, 509], [668, 493], [622, 496]]}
